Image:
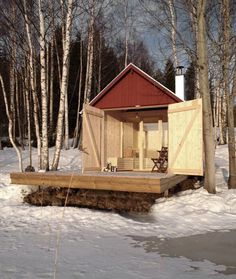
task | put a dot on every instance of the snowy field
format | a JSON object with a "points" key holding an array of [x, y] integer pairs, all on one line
{"points": [[191, 235]]}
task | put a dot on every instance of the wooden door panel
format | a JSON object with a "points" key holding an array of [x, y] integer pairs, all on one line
{"points": [[93, 138], [185, 146]]}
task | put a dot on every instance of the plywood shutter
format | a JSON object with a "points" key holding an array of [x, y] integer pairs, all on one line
{"points": [[185, 146], [93, 138]]}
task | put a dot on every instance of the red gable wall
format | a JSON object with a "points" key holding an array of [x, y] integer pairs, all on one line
{"points": [[133, 88]]}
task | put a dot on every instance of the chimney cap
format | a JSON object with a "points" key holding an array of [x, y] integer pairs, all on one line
{"points": [[179, 70]]}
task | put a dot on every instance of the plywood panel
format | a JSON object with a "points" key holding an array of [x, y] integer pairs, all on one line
{"points": [[112, 134], [159, 135], [128, 139], [135, 136], [93, 138], [185, 138], [165, 134]]}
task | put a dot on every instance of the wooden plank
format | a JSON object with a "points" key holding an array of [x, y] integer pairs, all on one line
{"points": [[169, 182], [113, 136], [160, 135], [113, 183], [186, 171], [102, 144], [127, 139], [183, 139], [185, 147], [121, 139], [88, 126], [93, 138], [182, 109], [141, 144]]}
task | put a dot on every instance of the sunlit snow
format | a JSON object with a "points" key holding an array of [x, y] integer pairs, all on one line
{"points": [[56, 242]]}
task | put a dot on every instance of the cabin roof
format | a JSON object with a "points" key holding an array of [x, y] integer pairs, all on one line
{"points": [[133, 88]]}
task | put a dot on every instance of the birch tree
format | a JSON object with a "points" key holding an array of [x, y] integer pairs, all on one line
{"points": [[10, 124], [44, 95], [63, 87], [208, 135], [90, 54], [32, 82], [229, 97], [78, 118], [192, 10], [173, 31]]}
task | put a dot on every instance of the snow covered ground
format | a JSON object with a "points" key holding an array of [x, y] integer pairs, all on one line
{"points": [[55, 242]]}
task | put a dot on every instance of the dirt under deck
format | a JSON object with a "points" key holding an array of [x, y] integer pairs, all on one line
{"points": [[120, 191]]}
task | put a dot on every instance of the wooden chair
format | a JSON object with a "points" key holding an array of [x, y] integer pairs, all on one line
{"points": [[161, 163]]}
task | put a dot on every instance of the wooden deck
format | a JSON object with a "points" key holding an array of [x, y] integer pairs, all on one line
{"points": [[119, 181]]}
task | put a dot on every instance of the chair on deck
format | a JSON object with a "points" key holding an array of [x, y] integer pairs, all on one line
{"points": [[161, 162]]}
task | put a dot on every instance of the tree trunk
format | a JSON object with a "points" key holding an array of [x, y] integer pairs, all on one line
{"points": [[231, 135], [76, 132], [66, 141], [64, 81], [208, 135], [27, 101], [44, 95], [51, 91], [32, 84], [99, 62], [19, 118], [173, 31], [229, 98], [89, 68], [194, 24], [10, 125], [126, 32]]}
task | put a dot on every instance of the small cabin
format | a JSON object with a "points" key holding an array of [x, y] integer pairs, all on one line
{"points": [[132, 118]]}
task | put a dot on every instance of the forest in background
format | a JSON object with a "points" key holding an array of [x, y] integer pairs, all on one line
{"points": [[57, 55]]}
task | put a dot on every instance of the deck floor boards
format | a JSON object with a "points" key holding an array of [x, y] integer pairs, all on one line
{"points": [[144, 182]]}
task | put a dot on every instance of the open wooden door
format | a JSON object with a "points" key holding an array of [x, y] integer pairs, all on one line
{"points": [[93, 138], [185, 148]]}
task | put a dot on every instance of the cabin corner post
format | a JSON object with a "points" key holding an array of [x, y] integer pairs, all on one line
{"points": [[160, 135], [121, 139], [141, 145], [103, 142]]}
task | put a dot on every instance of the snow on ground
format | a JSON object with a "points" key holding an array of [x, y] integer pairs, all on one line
{"points": [[56, 242]]}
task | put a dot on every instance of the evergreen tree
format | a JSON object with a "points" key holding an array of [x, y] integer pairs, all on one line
{"points": [[190, 82], [169, 75]]}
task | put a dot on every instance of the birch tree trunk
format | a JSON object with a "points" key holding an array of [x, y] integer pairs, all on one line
{"points": [[19, 118], [10, 125], [12, 71], [64, 81], [44, 95], [32, 84], [208, 134], [225, 68], [229, 97], [77, 127], [66, 141], [231, 135], [51, 90], [27, 101], [173, 31], [194, 24], [89, 68], [126, 32], [66, 119], [99, 62]]}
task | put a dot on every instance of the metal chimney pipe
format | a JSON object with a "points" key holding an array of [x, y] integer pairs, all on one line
{"points": [[179, 82]]}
